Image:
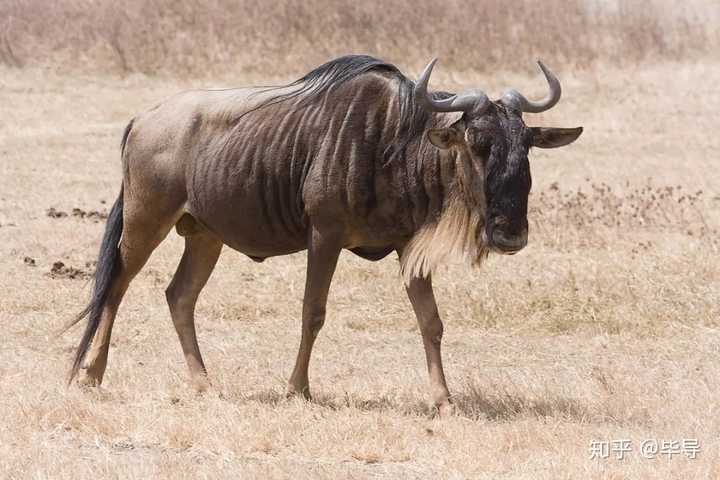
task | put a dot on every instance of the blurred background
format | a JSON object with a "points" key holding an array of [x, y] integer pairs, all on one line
{"points": [[287, 36]]}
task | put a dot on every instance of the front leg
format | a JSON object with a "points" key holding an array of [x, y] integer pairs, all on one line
{"points": [[323, 252], [421, 296]]}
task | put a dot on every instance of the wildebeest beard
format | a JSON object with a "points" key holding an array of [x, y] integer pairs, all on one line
{"points": [[457, 232]]}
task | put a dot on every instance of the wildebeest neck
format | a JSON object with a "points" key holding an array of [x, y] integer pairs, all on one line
{"points": [[454, 213]]}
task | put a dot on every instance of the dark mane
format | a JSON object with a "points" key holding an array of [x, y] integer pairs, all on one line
{"points": [[316, 83], [331, 75]]}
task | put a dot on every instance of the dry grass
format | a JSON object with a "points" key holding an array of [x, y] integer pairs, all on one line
{"points": [[286, 36], [605, 327]]}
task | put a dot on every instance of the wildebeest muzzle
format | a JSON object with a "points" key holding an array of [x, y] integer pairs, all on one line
{"points": [[505, 236]]}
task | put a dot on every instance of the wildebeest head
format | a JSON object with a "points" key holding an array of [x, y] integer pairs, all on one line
{"points": [[493, 136]]}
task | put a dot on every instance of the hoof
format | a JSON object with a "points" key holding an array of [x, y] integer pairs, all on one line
{"points": [[445, 409], [298, 392], [201, 383], [86, 378]]}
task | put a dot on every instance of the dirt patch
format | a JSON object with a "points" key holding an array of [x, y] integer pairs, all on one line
{"points": [[60, 270], [94, 215], [53, 213]]}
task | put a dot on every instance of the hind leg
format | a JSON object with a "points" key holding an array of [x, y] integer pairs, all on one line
{"points": [[140, 238], [202, 250]]}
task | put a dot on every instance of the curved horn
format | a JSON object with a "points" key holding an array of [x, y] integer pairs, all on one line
{"points": [[515, 99], [463, 102]]}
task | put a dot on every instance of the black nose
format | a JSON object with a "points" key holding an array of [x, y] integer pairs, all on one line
{"points": [[506, 236], [509, 243]]}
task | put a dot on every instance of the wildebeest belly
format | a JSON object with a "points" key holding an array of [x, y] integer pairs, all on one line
{"points": [[252, 208], [373, 253], [241, 226]]}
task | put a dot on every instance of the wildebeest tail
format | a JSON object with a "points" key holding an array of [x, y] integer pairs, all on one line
{"points": [[105, 273]]}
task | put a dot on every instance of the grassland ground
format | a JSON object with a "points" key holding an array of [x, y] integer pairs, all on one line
{"points": [[605, 328]]}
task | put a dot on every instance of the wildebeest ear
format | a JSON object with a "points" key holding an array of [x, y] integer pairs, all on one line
{"points": [[554, 137], [443, 138]]}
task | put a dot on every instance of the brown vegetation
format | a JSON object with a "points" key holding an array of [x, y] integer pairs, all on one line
{"points": [[287, 36]]}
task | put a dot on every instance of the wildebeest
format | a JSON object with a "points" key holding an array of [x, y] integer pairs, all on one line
{"points": [[354, 156]]}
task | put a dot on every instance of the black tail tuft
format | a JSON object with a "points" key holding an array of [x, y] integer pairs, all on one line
{"points": [[105, 273]]}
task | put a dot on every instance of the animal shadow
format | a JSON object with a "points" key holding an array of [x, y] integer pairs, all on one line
{"points": [[501, 405], [473, 403]]}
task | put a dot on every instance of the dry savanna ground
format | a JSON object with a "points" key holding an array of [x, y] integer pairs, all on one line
{"points": [[605, 328]]}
